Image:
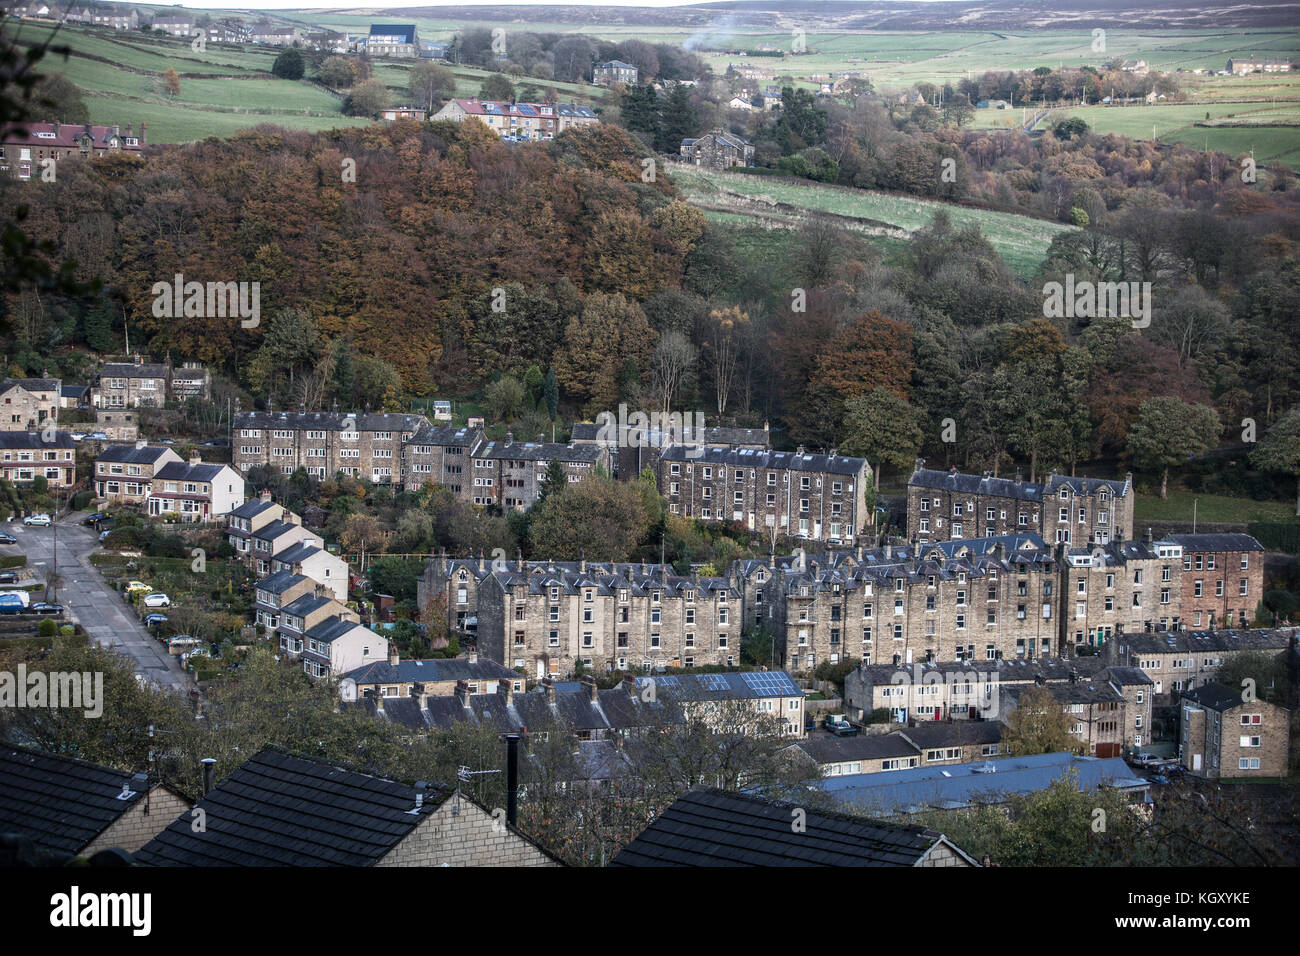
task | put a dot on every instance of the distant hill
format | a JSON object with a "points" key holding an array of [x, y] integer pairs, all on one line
{"points": [[851, 15]]}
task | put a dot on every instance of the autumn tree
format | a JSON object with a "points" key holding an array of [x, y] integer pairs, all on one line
{"points": [[504, 398], [362, 534], [599, 517], [597, 341], [171, 83], [367, 98], [338, 72], [1039, 725], [430, 84], [1169, 432], [671, 365]]}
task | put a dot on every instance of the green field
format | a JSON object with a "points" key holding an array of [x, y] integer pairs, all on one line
{"points": [[222, 89], [1213, 508], [738, 198]]}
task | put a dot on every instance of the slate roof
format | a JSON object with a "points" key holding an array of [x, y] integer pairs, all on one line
{"points": [[301, 551], [273, 530], [1166, 642], [748, 685], [131, 455], [839, 749], [132, 370], [714, 828], [1216, 542], [405, 31], [31, 440], [74, 391], [58, 802], [277, 809], [1128, 676], [432, 670], [33, 384], [539, 451], [302, 606], [68, 135], [950, 786], [279, 582], [446, 436], [964, 483], [774, 460], [958, 733], [332, 628], [184, 471], [1215, 696], [251, 508], [332, 421]]}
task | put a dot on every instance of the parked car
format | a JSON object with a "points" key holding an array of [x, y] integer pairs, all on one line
{"points": [[44, 607], [97, 436], [41, 520], [11, 602], [133, 586], [840, 727], [105, 533], [153, 620], [1159, 778], [97, 517], [8, 577], [157, 599], [7, 538]]}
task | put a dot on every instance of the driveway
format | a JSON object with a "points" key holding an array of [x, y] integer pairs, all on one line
{"points": [[88, 600]]}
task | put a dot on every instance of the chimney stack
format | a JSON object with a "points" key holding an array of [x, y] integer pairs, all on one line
{"points": [[506, 690], [472, 657], [593, 692], [462, 693], [209, 767], [266, 494], [548, 688], [394, 657], [141, 443]]}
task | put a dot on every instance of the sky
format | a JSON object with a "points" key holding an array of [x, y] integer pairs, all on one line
{"points": [[299, 5]]}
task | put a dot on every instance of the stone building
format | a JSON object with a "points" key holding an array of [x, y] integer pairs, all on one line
{"points": [[510, 474], [28, 404], [717, 150], [820, 497], [368, 445], [1178, 661], [613, 72], [1064, 510], [606, 618], [26, 456], [1222, 580], [124, 473], [1223, 736]]}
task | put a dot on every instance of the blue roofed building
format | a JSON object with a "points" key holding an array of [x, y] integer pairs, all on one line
{"points": [[958, 786]]}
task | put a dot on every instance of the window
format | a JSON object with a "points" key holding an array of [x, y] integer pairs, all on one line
{"points": [[1250, 741], [1247, 719]]}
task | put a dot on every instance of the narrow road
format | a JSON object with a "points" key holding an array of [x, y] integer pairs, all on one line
{"points": [[88, 600]]}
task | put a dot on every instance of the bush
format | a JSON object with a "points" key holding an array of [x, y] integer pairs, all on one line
{"points": [[47, 627], [67, 630], [288, 65]]}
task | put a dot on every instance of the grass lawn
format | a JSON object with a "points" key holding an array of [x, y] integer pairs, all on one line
{"points": [[1178, 507], [1022, 241]]}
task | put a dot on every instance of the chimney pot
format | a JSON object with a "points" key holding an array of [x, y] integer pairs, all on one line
{"points": [[209, 765]]}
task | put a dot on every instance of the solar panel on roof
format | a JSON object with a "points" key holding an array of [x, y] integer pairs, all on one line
{"points": [[714, 681]]}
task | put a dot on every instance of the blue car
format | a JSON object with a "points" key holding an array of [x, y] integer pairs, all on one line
{"points": [[150, 620], [1159, 778]]}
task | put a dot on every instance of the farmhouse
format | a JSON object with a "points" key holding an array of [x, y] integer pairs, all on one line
{"points": [[717, 150]]}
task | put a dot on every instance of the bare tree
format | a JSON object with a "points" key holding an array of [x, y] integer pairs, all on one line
{"points": [[727, 333], [673, 359]]}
